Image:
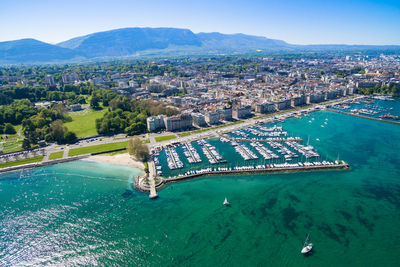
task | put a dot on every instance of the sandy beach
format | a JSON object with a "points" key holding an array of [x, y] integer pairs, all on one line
{"points": [[120, 159]]}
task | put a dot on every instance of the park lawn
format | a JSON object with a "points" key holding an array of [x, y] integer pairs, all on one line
{"points": [[21, 161], [147, 141], [56, 155], [165, 138], [84, 122], [97, 148], [184, 134]]}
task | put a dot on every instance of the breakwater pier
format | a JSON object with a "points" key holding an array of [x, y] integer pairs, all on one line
{"points": [[274, 168], [365, 117], [258, 169]]}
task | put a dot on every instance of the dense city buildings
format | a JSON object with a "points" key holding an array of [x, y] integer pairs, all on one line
{"points": [[213, 90], [155, 123], [179, 122]]}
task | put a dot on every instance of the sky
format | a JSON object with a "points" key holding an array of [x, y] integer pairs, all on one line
{"points": [[294, 21]]}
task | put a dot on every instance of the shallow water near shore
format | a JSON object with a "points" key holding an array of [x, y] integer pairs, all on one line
{"points": [[86, 213]]}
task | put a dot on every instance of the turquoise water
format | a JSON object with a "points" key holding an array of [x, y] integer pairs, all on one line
{"points": [[84, 213]]}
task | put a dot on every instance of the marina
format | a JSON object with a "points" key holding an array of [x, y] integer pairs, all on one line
{"points": [[231, 153], [191, 153], [380, 108], [174, 162], [210, 152], [243, 151]]}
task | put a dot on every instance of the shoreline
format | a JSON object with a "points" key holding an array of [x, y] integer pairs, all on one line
{"points": [[120, 159]]}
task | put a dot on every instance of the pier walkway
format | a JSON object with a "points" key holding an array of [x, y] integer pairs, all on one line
{"points": [[249, 170], [212, 155], [290, 139], [172, 157], [365, 117], [151, 186], [190, 151], [152, 175]]}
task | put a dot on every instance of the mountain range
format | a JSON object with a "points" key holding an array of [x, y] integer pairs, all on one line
{"points": [[137, 42]]}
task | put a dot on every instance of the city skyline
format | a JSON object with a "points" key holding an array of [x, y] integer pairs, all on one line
{"points": [[306, 22]]}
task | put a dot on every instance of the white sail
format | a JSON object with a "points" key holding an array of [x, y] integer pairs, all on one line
{"points": [[226, 202]]}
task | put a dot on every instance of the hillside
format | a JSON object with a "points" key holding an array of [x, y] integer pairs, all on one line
{"points": [[32, 51], [136, 42]]}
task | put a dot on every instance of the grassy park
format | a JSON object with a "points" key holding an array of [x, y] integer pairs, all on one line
{"points": [[21, 161], [84, 122], [165, 138], [56, 155], [97, 148], [184, 134]]}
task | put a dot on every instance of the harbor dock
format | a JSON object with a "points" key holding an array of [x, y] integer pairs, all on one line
{"points": [[362, 116], [254, 170]]}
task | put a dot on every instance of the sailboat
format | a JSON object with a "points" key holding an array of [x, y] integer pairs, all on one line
{"points": [[306, 247], [226, 203]]}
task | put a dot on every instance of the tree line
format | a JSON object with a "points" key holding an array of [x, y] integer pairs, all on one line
{"points": [[392, 89]]}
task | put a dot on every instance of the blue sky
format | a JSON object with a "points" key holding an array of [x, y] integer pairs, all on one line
{"points": [[297, 22]]}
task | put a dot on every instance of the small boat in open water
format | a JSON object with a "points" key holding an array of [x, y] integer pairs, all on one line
{"points": [[226, 203], [306, 247]]}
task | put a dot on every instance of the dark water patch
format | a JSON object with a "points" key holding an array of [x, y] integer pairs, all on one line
{"points": [[353, 232], [342, 229], [127, 194], [365, 223], [276, 231], [309, 221], [289, 216], [389, 193], [182, 260], [192, 236], [359, 209], [227, 234], [328, 231], [293, 198], [346, 215], [271, 203]]}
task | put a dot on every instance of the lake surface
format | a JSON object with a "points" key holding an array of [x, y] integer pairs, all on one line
{"points": [[85, 213]]}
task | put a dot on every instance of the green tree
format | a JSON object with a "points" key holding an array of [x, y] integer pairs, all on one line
{"points": [[94, 102], [137, 149], [9, 129], [57, 130], [26, 144], [70, 137]]}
